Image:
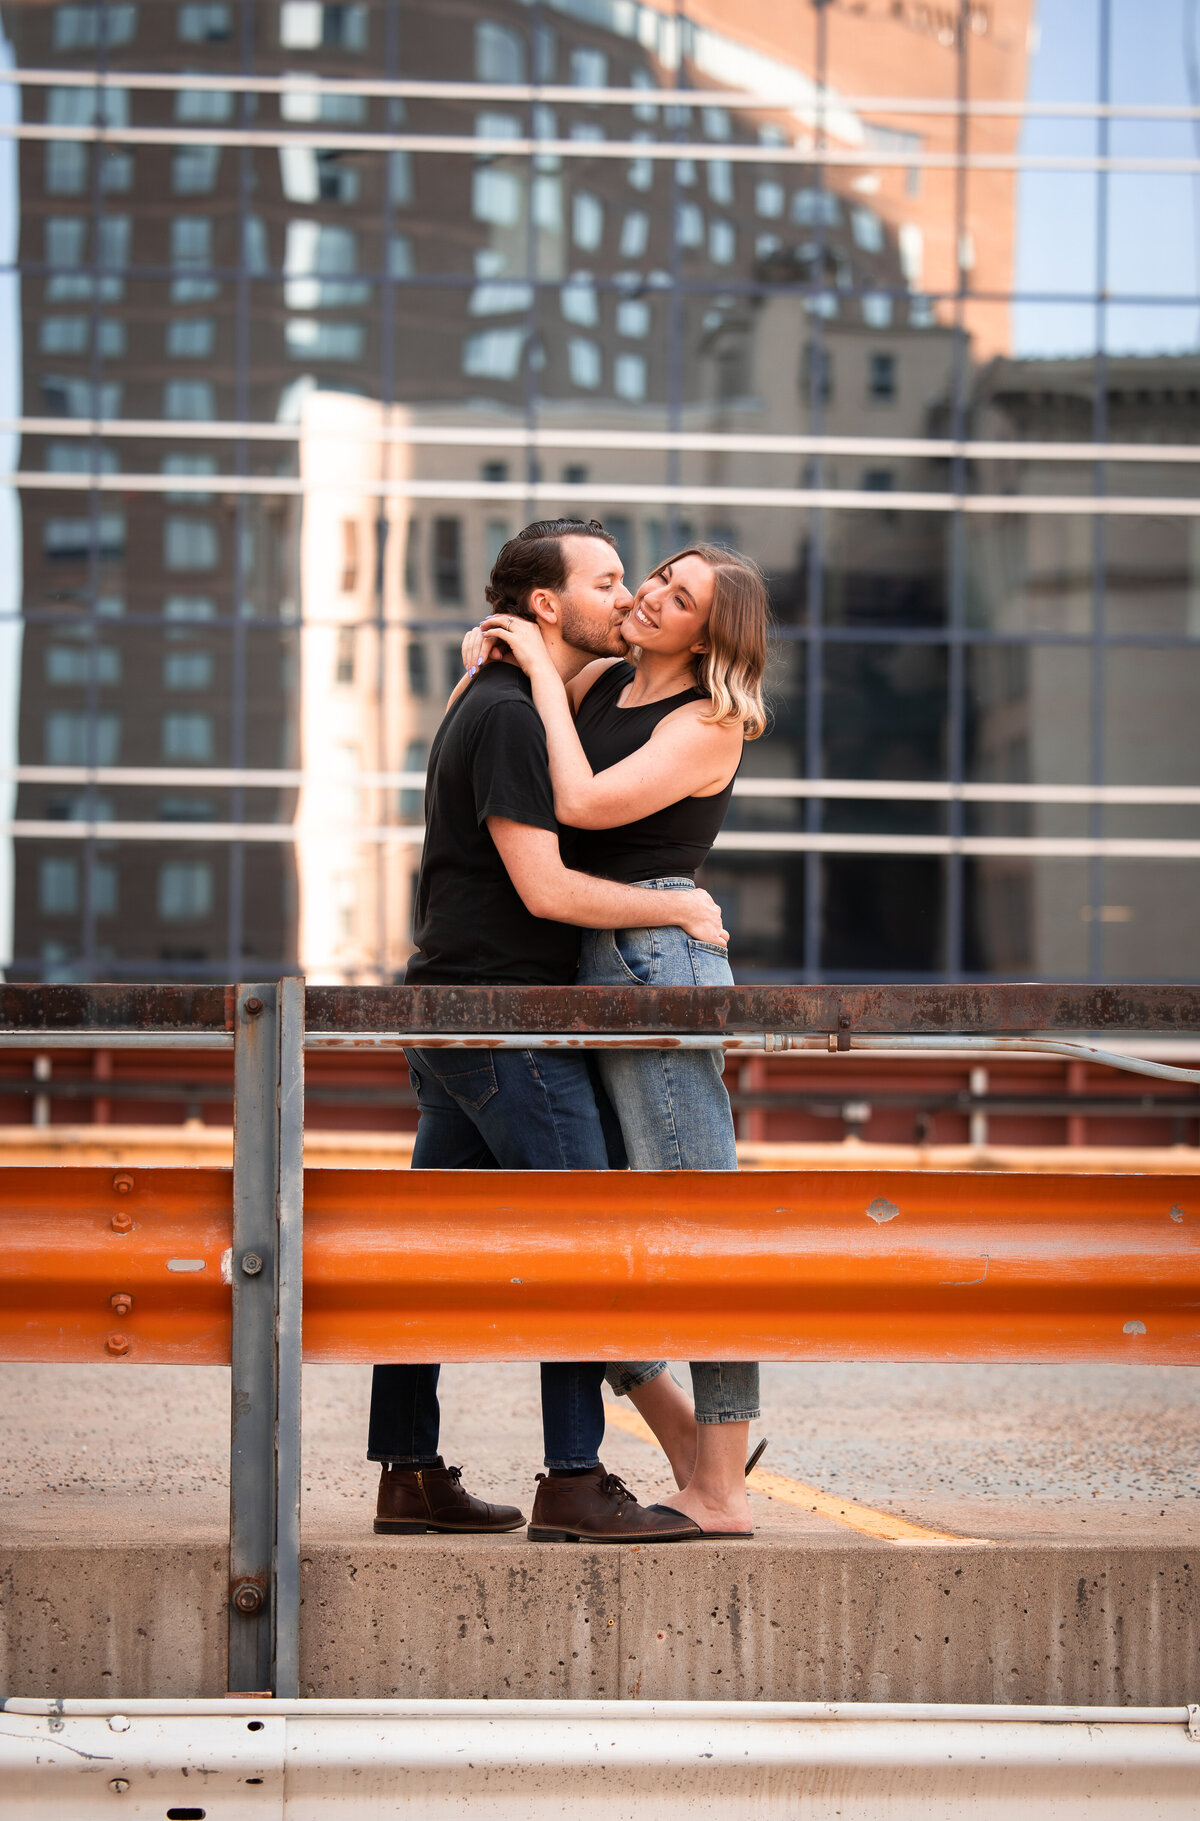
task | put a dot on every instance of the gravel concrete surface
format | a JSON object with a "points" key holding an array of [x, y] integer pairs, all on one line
{"points": [[1070, 1452]]}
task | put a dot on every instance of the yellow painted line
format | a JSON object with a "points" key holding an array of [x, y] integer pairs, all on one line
{"points": [[863, 1518]]}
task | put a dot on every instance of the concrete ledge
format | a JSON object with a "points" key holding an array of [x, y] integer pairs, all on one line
{"points": [[778, 1618]]}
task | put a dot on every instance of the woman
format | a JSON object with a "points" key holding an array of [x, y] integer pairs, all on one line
{"points": [[643, 754]]}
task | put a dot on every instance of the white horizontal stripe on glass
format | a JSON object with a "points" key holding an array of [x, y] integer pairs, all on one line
{"points": [[970, 846], [438, 436], [702, 151], [305, 84], [616, 493], [853, 789]]}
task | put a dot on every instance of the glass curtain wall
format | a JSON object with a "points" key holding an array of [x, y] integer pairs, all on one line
{"points": [[310, 305]]}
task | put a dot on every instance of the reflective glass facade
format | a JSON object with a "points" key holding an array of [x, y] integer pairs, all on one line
{"points": [[308, 305]]}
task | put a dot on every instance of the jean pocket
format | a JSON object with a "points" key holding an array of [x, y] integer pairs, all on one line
{"points": [[635, 952], [710, 963], [472, 1087]]}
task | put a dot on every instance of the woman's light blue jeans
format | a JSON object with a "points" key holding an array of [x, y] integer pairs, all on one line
{"points": [[674, 1114]]}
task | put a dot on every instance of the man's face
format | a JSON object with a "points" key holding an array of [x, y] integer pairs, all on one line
{"points": [[595, 599]]}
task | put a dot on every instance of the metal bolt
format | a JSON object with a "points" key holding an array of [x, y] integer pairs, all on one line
{"points": [[122, 1184], [120, 1784], [120, 1304], [251, 1264], [117, 1343], [248, 1597], [122, 1221], [253, 1007]]}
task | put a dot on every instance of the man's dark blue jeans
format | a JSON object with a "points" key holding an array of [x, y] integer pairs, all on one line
{"points": [[506, 1110]]}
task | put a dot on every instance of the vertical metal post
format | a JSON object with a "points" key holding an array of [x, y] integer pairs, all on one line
{"points": [[288, 1338], [254, 1386], [267, 1271]]}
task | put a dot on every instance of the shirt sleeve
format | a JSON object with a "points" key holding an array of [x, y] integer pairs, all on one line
{"points": [[510, 767]]}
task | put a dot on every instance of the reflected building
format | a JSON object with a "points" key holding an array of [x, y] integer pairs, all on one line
{"points": [[291, 374]]}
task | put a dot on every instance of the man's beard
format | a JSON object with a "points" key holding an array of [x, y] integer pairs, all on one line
{"points": [[583, 632]]}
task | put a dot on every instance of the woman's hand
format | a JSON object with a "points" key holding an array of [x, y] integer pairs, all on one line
{"points": [[521, 638], [478, 649], [701, 918]]}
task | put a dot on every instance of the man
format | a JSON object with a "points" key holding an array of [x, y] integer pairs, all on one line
{"points": [[495, 904]]}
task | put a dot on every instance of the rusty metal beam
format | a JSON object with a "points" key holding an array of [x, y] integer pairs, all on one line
{"points": [[868, 1264], [1007, 1008]]}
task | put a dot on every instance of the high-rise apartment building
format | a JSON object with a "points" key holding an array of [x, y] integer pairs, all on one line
{"points": [[320, 302]]}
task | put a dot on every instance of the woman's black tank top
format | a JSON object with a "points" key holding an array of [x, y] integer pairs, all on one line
{"points": [[673, 841]]}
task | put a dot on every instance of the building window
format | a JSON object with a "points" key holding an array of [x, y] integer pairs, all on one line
{"points": [[583, 363], [499, 53], [496, 534], [400, 179], [877, 310], [722, 243], [881, 376], [629, 377], [188, 737], [587, 220], [189, 607], [306, 25], [310, 339], [194, 169], [205, 24], [575, 474], [190, 543], [349, 555], [813, 208], [496, 196], [66, 167], [77, 664], [189, 398], [768, 199], [344, 665], [72, 737], [68, 396], [185, 890], [412, 552], [494, 354], [104, 888], [58, 887], [578, 302], [188, 670], [318, 262], [689, 224], [209, 107], [720, 181], [633, 317], [589, 68], [81, 458], [447, 560], [493, 471], [65, 240], [85, 28], [189, 465], [867, 229], [64, 335], [418, 669], [70, 539], [191, 251], [190, 338], [635, 232]]}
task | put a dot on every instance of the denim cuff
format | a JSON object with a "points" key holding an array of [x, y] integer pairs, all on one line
{"points": [[729, 1416], [621, 1380]]}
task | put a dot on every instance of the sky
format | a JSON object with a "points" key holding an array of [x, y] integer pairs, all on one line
{"points": [[1153, 249]]}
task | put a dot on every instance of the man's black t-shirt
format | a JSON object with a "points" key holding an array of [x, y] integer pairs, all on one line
{"points": [[471, 928]]}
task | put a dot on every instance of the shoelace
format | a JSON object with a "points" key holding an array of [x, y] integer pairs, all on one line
{"points": [[455, 1474], [614, 1488]]}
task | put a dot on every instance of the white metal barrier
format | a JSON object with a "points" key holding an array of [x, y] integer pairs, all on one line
{"points": [[593, 1760]]}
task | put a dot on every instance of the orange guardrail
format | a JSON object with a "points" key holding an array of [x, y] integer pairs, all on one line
{"points": [[861, 1264]]}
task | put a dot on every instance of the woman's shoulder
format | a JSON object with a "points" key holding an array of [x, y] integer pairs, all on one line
{"points": [[591, 673]]}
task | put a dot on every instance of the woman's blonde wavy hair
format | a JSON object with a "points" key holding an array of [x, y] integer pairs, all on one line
{"points": [[731, 671]]}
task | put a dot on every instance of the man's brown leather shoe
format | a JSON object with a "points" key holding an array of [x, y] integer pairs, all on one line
{"points": [[597, 1507], [413, 1500]]}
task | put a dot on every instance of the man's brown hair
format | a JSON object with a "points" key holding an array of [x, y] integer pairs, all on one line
{"points": [[536, 558]]}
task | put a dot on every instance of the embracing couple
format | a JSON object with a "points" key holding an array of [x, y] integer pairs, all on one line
{"points": [[579, 778]]}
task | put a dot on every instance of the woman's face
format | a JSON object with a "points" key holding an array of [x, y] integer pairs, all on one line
{"points": [[671, 608]]}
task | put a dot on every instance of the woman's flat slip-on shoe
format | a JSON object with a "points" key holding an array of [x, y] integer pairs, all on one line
{"points": [[722, 1536], [755, 1457]]}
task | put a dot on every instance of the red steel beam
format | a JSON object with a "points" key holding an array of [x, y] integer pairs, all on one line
{"points": [[870, 1264]]}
